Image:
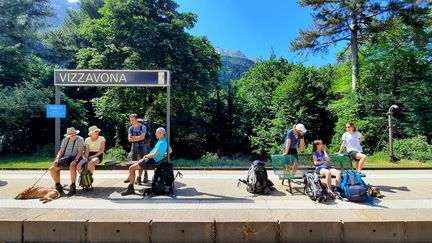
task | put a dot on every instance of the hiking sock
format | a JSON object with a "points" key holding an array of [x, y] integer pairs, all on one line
{"points": [[72, 189], [145, 177], [138, 181], [59, 188]]}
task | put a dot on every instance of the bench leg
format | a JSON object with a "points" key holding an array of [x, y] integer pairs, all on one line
{"points": [[289, 186], [283, 181]]}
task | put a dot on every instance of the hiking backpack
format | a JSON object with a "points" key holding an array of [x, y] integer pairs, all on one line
{"points": [[353, 187], [313, 187], [257, 181], [85, 179], [163, 179]]}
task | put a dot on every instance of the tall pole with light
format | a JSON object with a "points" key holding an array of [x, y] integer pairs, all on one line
{"points": [[390, 127]]}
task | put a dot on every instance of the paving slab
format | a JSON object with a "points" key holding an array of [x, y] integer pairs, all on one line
{"points": [[214, 195]]}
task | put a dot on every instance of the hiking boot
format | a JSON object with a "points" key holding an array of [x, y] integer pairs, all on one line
{"points": [[127, 180], [130, 190], [138, 181], [59, 188], [72, 189], [145, 178]]}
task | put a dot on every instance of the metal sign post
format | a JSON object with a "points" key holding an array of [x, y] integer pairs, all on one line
{"points": [[113, 78]]}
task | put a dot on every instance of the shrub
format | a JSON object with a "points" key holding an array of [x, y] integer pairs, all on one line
{"points": [[209, 156], [415, 148], [117, 153]]}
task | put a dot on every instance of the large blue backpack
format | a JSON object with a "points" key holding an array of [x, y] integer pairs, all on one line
{"points": [[353, 187]]}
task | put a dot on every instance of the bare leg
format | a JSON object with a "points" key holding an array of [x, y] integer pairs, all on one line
{"points": [[92, 164], [327, 174], [362, 160], [55, 173], [73, 172], [132, 170], [337, 174], [295, 167]]}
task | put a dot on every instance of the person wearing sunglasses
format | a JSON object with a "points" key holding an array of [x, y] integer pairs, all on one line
{"points": [[351, 139]]}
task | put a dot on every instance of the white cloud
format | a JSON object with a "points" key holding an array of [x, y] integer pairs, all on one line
{"points": [[73, 1]]}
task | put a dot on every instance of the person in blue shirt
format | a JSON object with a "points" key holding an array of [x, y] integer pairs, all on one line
{"points": [[149, 161], [322, 166], [294, 138]]}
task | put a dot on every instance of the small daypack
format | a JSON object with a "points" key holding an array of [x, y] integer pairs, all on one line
{"points": [[85, 179], [313, 187], [353, 187], [163, 179], [257, 181]]}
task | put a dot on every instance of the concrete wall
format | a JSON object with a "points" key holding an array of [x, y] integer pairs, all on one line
{"points": [[214, 231]]}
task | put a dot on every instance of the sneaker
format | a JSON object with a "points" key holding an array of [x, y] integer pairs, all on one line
{"points": [[59, 188], [72, 190], [138, 181], [145, 178], [127, 180], [130, 190], [331, 195]]}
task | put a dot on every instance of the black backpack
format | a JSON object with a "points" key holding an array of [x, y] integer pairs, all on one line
{"points": [[163, 180], [85, 179], [257, 181], [314, 188]]}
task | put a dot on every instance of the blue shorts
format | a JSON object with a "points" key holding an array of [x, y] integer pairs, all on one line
{"points": [[322, 166]]}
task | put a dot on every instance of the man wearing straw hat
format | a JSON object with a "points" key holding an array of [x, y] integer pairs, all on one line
{"points": [[71, 149]]}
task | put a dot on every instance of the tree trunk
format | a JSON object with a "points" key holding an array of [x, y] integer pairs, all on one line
{"points": [[354, 54]]}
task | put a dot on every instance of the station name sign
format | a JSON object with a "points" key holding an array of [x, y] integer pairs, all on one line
{"points": [[144, 78]]}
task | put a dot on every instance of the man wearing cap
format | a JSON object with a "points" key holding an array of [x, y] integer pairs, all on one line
{"points": [[149, 161], [71, 149], [294, 137], [95, 147]]}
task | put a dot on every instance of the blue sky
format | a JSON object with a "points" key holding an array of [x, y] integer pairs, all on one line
{"points": [[254, 27]]}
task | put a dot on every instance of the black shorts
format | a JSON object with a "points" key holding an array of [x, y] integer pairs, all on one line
{"points": [[99, 156], [294, 155], [65, 161], [353, 154], [322, 166], [137, 152], [147, 164]]}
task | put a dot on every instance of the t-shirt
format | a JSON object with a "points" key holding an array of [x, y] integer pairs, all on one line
{"points": [[94, 145], [162, 146], [320, 157], [137, 131], [352, 141], [294, 141], [72, 149]]}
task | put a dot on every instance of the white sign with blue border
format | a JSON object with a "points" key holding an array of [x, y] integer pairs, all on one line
{"points": [[56, 111]]}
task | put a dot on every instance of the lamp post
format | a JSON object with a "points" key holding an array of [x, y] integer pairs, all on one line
{"points": [[390, 126]]}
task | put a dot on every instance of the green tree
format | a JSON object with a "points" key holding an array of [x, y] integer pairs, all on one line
{"points": [[20, 24], [150, 35], [276, 94], [355, 22]]}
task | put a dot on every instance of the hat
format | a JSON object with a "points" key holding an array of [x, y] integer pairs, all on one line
{"points": [[71, 131], [93, 129], [300, 127]]}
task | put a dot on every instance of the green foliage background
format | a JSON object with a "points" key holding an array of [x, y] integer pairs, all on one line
{"points": [[222, 107]]}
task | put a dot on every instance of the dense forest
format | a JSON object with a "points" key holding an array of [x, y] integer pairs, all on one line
{"points": [[232, 107]]}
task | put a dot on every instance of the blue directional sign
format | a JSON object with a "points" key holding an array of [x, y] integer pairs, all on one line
{"points": [[56, 111]]}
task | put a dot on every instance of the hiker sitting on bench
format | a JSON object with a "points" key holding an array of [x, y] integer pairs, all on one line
{"points": [[94, 149], [149, 161], [70, 152], [294, 137], [322, 166]]}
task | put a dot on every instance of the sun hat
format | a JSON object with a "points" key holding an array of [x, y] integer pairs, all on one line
{"points": [[300, 127], [71, 131], [93, 129]]}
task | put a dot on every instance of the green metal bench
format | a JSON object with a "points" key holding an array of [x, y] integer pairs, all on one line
{"points": [[305, 162]]}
